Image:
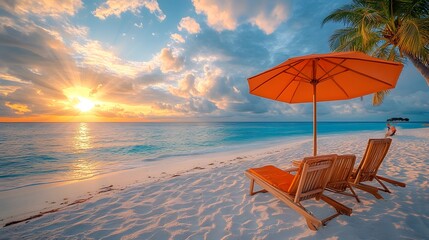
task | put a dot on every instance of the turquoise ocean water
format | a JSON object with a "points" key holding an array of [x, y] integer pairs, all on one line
{"points": [[41, 153]]}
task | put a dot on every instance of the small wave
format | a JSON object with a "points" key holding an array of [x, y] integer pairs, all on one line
{"points": [[5, 189], [200, 152], [144, 149], [166, 156], [13, 175]]}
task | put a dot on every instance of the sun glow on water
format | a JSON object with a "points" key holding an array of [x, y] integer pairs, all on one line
{"points": [[83, 167]]}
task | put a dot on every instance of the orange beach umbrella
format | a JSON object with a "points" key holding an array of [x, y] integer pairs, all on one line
{"points": [[325, 77]]}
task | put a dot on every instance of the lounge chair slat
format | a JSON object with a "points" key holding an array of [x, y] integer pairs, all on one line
{"points": [[342, 169]]}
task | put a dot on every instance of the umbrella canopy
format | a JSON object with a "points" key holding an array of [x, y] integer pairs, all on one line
{"points": [[325, 77]]}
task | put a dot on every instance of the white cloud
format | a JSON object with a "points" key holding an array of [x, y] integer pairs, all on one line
{"points": [[210, 57], [168, 62], [6, 22], [117, 7], [177, 37], [198, 105], [189, 24], [76, 31], [348, 107], [11, 78], [216, 86], [227, 15], [93, 54], [138, 25], [186, 87]]}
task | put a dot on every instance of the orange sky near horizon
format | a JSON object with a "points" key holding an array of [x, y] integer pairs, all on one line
{"points": [[83, 104], [68, 119]]}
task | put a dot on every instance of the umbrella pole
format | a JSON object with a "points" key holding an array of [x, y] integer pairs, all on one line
{"points": [[314, 121]]}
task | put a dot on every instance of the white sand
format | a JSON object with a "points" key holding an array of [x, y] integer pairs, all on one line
{"points": [[213, 203]]}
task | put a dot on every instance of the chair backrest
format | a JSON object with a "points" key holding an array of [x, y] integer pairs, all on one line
{"points": [[372, 159], [312, 176], [342, 168]]}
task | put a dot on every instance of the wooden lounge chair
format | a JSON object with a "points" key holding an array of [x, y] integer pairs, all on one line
{"points": [[368, 167], [339, 181], [309, 182]]}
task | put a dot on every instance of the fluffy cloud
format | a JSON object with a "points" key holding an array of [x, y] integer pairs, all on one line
{"points": [[18, 108], [42, 7], [76, 31], [116, 111], [189, 24], [152, 78], [186, 87], [168, 62], [117, 7], [93, 54], [198, 105], [177, 37], [227, 15], [193, 105]]}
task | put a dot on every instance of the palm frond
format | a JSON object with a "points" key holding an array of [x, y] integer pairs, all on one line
{"points": [[394, 55], [387, 52], [355, 15], [412, 8], [346, 40], [378, 97], [350, 39], [345, 15], [389, 29], [409, 37]]}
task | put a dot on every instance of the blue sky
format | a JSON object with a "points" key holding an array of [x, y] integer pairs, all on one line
{"points": [[160, 60]]}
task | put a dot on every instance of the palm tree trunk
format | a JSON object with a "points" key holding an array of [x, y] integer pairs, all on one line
{"points": [[423, 69]]}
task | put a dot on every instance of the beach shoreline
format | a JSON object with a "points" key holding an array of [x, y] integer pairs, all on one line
{"points": [[218, 180]]}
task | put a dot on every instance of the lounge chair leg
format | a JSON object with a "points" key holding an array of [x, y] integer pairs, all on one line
{"points": [[384, 186], [324, 221], [310, 225], [391, 181], [252, 185], [369, 189], [353, 192], [338, 206]]}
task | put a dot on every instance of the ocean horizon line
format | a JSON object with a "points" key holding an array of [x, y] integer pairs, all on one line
{"points": [[230, 122]]}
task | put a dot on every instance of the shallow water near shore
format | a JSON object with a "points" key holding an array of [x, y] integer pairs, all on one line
{"points": [[41, 153]]}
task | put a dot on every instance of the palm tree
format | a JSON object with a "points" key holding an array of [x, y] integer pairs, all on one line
{"points": [[387, 29]]}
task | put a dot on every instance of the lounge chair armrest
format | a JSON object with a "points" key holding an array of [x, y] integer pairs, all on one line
{"points": [[296, 163], [292, 169]]}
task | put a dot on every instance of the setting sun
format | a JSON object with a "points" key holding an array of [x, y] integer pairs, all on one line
{"points": [[80, 98], [84, 104]]}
